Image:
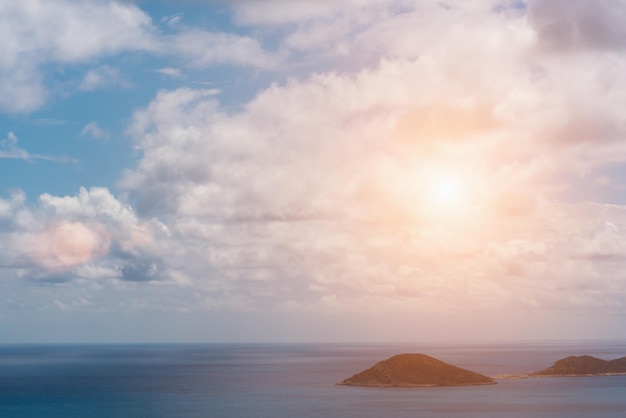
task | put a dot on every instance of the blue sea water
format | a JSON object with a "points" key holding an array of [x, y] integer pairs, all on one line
{"points": [[293, 380]]}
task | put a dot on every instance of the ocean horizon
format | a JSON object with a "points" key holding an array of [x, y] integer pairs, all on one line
{"points": [[294, 379]]}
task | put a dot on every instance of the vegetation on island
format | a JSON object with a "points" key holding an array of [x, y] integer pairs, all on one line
{"points": [[584, 366], [411, 370]]}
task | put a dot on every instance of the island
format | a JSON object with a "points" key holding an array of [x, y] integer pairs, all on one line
{"points": [[415, 370], [584, 366]]}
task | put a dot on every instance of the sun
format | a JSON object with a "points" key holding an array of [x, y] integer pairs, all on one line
{"points": [[446, 190], [443, 190]]}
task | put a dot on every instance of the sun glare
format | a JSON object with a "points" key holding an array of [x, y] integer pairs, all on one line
{"points": [[442, 189], [445, 191]]}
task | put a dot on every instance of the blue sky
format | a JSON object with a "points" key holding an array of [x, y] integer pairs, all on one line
{"points": [[349, 170]]}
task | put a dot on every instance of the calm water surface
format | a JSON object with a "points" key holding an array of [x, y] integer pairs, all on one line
{"points": [[218, 380]]}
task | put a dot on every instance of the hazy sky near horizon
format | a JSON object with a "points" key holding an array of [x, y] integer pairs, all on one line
{"points": [[311, 170]]}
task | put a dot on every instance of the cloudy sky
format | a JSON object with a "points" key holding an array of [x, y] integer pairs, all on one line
{"points": [[312, 170]]}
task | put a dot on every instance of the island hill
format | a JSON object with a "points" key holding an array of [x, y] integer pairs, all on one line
{"points": [[420, 370], [584, 366], [415, 370]]}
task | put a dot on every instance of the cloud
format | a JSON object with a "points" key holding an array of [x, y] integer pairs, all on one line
{"points": [[91, 235], [38, 33], [93, 129], [142, 271], [75, 243], [175, 73], [317, 190], [173, 20], [276, 12], [10, 149], [101, 78], [316, 194], [200, 48], [579, 25], [21, 89], [302, 13]]}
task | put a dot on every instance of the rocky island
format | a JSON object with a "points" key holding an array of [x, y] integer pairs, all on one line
{"points": [[415, 370], [584, 366]]}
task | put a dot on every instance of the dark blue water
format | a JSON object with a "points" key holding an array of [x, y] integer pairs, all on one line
{"points": [[292, 381]]}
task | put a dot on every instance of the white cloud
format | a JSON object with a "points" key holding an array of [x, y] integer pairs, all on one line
{"points": [[93, 130], [202, 49], [315, 194], [170, 72], [36, 33], [277, 12], [93, 203], [91, 235], [102, 77], [316, 191], [10, 149], [173, 20], [304, 12]]}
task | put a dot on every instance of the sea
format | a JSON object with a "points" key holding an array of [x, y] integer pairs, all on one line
{"points": [[295, 381]]}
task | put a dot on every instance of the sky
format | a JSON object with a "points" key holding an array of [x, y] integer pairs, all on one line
{"points": [[312, 170]]}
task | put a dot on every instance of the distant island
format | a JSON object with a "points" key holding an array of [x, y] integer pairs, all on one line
{"points": [[415, 370], [584, 366], [420, 370]]}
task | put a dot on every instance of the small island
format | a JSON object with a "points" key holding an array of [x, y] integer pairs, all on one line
{"points": [[584, 366], [415, 370]]}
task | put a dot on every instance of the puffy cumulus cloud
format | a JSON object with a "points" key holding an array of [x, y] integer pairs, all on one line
{"points": [[432, 180], [581, 93], [74, 242], [37, 32], [88, 236], [428, 182], [359, 32], [63, 32]]}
